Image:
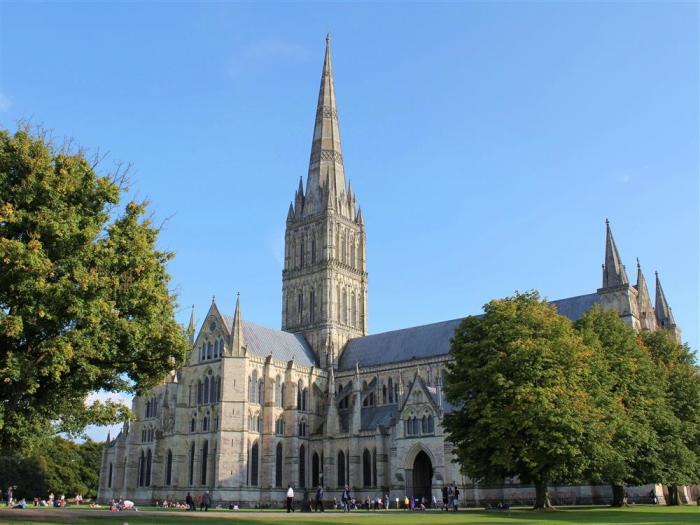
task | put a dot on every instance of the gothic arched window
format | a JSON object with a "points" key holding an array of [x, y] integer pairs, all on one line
{"points": [[366, 469], [353, 310], [345, 306], [341, 469], [254, 387], [205, 454], [312, 305], [302, 466], [300, 307], [191, 476], [254, 464], [149, 459], [206, 390], [302, 246], [168, 468], [352, 251], [209, 349], [344, 258], [142, 468], [374, 467], [278, 391], [391, 390], [383, 394], [315, 470], [313, 250], [338, 301], [278, 465], [279, 426]]}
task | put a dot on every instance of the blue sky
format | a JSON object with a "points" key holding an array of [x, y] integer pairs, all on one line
{"points": [[486, 142]]}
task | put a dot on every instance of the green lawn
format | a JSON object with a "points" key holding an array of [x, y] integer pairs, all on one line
{"points": [[639, 514]]}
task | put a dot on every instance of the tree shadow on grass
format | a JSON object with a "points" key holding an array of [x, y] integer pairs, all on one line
{"points": [[607, 515]]}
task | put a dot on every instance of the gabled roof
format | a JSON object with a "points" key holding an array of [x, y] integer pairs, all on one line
{"points": [[431, 340], [283, 346], [419, 384], [418, 342], [575, 307], [373, 417]]}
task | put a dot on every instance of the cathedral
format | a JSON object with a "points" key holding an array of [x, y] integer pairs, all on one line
{"points": [[322, 402]]}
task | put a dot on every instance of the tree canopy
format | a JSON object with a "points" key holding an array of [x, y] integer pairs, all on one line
{"points": [[630, 399], [519, 377], [84, 298], [678, 426], [61, 467], [547, 400]]}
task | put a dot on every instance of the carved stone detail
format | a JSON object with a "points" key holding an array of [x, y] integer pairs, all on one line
{"points": [[327, 154]]}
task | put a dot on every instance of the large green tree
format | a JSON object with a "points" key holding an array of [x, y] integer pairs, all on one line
{"points": [[520, 378], [630, 398], [84, 298], [61, 467], [679, 425]]}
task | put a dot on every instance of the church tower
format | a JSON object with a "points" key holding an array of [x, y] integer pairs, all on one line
{"points": [[324, 281]]}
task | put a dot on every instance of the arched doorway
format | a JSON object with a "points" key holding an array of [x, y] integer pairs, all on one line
{"points": [[422, 476]]}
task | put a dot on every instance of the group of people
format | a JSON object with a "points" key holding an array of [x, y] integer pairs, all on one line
{"points": [[52, 501], [121, 504], [450, 499], [204, 502]]}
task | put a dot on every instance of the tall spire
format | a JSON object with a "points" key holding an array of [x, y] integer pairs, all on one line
{"points": [[614, 273], [237, 341], [191, 326], [647, 319], [326, 160], [664, 316]]}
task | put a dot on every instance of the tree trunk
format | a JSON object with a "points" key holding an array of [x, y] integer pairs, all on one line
{"points": [[541, 496], [673, 495], [618, 492]]}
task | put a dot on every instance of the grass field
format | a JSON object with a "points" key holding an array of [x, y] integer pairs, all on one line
{"points": [[639, 515]]}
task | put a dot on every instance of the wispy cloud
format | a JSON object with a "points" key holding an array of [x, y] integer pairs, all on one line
{"points": [[624, 179], [109, 396], [274, 48], [5, 102], [266, 51]]}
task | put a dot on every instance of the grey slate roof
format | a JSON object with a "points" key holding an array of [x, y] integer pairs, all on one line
{"points": [[418, 342], [371, 417], [575, 307], [431, 340], [283, 346]]}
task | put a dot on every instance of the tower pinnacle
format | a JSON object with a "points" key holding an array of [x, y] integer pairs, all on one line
{"points": [[237, 341], [191, 326], [664, 316], [647, 319], [614, 273]]}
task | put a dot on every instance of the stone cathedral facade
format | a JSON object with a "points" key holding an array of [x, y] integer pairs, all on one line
{"points": [[320, 401]]}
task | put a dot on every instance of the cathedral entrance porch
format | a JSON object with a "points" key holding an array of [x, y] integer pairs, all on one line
{"points": [[421, 477]]}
